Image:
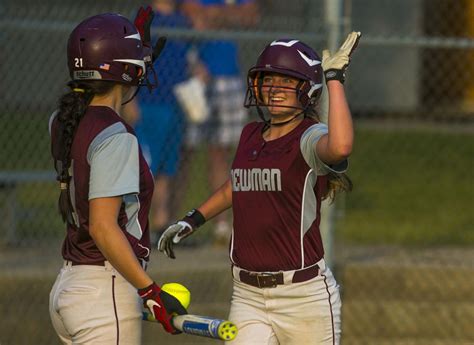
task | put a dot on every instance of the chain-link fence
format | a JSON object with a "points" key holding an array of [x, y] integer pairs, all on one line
{"points": [[400, 244]]}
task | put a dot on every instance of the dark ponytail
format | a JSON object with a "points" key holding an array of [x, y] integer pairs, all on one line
{"points": [[72, 107]]}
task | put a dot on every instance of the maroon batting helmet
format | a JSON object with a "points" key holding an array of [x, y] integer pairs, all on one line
{"points": [[106, 47], [289, 57]]}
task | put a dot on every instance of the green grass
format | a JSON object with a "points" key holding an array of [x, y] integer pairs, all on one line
{"points": [[410, 186], [24, 142]]}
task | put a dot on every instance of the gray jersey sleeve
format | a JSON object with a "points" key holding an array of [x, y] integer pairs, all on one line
{"points": [[308, 149], [114, 166], [51, 119]]}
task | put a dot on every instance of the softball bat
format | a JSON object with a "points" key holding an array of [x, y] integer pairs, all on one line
{"points": [[204, 326]]}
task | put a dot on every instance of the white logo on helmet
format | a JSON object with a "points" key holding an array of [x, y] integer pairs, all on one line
{"points": [[140, 63], [309, 61], [135, 36], [285, 44]]}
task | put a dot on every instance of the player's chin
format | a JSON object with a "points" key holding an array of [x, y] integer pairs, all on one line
{"points": [[277, 110], [280, 112]]}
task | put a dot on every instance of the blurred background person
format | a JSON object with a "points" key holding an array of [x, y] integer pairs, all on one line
{"points": [[158, 119], [219, 68]]}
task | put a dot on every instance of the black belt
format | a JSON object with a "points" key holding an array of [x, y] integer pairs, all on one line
{"points": [[269, 280]]}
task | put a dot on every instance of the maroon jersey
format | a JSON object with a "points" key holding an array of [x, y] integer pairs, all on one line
{"points": [[276, 197], [106, 162]]}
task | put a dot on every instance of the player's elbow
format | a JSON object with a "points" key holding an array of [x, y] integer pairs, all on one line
{"points": [[340, 147], [341, 152], [345, 150], [97, 229]]}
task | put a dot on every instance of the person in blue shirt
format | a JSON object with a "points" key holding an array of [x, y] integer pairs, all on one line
{"points": [[160, 120], [225, 89]]}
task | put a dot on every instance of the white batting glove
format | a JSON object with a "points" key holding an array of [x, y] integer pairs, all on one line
{"points": [[172, 235], [179, 230], [334, 66]]}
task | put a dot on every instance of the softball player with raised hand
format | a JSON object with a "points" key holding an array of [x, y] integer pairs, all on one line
{"points": [[106, 188], [285, 165]]}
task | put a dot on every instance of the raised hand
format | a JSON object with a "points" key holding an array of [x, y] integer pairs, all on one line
{"points": [[143, 21], [335, 66]]}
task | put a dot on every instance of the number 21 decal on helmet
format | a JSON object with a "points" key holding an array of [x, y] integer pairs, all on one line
{"points": [[107, 47]]}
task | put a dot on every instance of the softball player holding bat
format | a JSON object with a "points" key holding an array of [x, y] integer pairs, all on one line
{"points": [[284, 166], [106, 188]]}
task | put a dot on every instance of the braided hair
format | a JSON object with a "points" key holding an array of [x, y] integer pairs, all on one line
{"points": [[72, 107]]}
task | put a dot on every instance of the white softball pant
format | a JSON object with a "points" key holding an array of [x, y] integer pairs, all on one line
{"points": [[298, 313], [95, 305]]}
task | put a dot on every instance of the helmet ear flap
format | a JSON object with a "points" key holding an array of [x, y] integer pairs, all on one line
{"points": [[257, 87], [303, 88], [253, 96]]}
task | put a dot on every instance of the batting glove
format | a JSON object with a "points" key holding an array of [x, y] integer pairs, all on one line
{"points": [[334, 66], [143, 22], [178, 231], [162, 305]]}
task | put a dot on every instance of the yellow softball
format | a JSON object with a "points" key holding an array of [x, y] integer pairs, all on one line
{"points": [[179, 291]]}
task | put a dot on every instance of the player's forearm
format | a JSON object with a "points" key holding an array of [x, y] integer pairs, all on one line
{"points": [[218, 202], [115, 247], [340, 127]]}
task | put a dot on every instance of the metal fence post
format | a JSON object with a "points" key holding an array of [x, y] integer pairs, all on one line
{"points": [[334, 23]]}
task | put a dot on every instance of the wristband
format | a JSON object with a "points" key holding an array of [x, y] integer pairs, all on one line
{"points": [[335, 74], [195, 218]]}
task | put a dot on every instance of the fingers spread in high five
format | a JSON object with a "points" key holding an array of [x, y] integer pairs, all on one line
{"points": [[334, 66], [350, 43]]}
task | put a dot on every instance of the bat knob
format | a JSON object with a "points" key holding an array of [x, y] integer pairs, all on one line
{"points": [[227, 331]]}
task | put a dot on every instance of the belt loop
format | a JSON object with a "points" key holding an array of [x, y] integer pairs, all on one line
{"points": [[236, 272], [108, 266], [322, 264]]}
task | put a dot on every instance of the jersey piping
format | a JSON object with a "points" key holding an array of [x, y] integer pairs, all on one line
{"points": [[132, 207], [309, 204]]}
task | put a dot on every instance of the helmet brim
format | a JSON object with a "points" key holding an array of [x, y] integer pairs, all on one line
{"points": [[276, 69]]}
